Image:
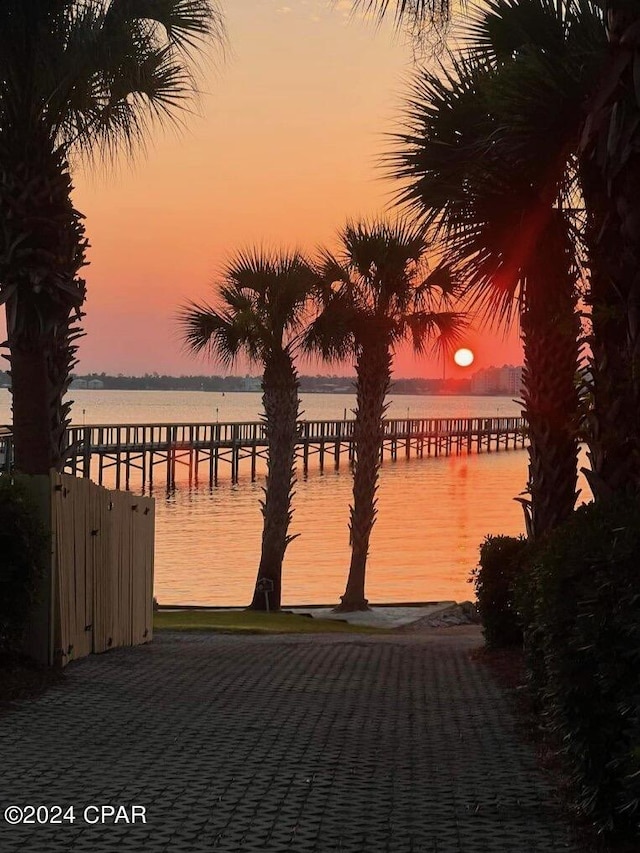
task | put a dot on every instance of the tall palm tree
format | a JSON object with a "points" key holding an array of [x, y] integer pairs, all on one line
{"points": [[610, 180], [265, 302], [77, 77], [376, 294], [489, 160], [610, 165]]}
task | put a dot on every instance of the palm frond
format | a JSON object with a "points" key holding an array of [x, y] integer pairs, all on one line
{"points": [[331, 335], [487, 151], [265, 298], [416, 14], [185, 22], [281, 285], [99, 72], [443, 281], [377, 290], [439, 333], [500, 29], [214, 334]]}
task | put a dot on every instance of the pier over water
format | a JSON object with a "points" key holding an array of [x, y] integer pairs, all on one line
{"points": [[148, 454]]}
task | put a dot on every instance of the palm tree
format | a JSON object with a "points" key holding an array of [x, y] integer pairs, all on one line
{"points": [[265, 302], [610, 167], [610, 182], [77, 77], [489, 157], [376, 294]]}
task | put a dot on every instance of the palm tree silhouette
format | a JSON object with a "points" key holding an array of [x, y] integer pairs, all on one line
{"points": [[265, 303], [610, 181], [79, 77], [489, 161], [376, 294], [610, 168]]}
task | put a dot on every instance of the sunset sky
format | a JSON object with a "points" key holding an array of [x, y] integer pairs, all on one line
{"points": [[285, 145]]}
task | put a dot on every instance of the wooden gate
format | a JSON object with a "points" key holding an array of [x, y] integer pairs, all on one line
{"points": [[103, 568]]}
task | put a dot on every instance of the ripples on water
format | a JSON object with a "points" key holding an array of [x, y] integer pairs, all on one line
{"points": [[433, 513]]}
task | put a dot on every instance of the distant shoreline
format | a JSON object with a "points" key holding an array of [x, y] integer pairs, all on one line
{"points": [[496, 382], [346, 391]]}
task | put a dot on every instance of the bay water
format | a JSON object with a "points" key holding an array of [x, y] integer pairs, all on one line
{"points": [[432, 513]]}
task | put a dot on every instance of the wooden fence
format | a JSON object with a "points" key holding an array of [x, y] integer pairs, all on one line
{"points": [[103, 568]]}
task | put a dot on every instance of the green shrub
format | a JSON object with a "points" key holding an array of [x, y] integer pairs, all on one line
{"points": [[494, 580], [526, 594], [585, 633], [23, 550]]}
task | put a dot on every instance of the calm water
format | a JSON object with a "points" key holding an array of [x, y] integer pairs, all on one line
{"points": [[433, 513]]}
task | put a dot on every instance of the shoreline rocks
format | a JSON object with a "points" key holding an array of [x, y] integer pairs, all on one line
{"points": [[465, 613]]}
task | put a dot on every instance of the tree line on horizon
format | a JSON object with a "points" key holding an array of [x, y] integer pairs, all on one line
{"points": [[313, 384], [308, 384]]}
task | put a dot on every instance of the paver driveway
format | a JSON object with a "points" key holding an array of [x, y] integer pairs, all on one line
{"points": [[280, 743]]}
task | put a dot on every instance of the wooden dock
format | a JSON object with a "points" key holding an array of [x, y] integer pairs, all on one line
{"points": [[150, 454]]}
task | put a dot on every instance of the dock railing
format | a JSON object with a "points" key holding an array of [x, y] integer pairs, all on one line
{"points": [[138, 449]]}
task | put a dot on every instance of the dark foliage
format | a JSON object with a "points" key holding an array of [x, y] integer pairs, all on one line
{"points": [[308, 384], [21, 678], [494, 580], [23, 551], [583, 645]]}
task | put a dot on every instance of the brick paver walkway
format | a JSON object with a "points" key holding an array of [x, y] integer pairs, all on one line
{"points": [[240, 744]]}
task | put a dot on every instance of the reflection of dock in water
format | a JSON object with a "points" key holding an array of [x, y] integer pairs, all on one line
{"points": [[136, 450]]}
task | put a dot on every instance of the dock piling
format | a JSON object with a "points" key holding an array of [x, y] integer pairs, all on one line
{"points": [[129, 449]]}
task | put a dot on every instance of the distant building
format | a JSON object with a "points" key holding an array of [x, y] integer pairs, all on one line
{"points": [[481, 382], [252, 383], [78, 384], [95, 384], [497, 380]]}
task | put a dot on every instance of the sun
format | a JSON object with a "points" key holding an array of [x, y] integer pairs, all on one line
{"points": [[463, 357]]}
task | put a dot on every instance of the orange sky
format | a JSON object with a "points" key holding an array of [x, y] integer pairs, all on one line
{"points": [[285, 146]]}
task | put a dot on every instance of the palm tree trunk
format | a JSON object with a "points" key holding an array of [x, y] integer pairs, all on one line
{"points": [[610, 174], [611, 433], [550, 331], [35, 450], [42, 248], [281, 405], [373, 370]]}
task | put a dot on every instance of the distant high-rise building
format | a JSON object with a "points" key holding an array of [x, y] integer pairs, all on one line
{"points": [[497, 380]]}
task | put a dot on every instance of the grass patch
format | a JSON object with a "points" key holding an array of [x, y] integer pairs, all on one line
{"points": [[250, 622]]}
